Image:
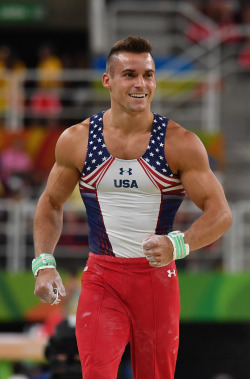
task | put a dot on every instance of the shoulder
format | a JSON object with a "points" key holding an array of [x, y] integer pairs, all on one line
{"points": [[74, 133], [183, 148], [71, 147]]}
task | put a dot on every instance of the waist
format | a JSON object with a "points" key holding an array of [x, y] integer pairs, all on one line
{"points": [[129, 263], [118, 260]]}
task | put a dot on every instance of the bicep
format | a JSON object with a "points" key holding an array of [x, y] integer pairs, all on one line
{"points": [[199, 181], [202, 187], [65, 173]]}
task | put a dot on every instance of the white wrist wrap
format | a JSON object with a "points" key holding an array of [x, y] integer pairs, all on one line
{"points": [[43, 261], [181, 249]]}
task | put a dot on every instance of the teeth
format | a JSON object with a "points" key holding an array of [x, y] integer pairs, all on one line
{"points": [[138, 95]]}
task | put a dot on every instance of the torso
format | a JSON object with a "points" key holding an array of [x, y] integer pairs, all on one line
{"points": [[128, 199]]}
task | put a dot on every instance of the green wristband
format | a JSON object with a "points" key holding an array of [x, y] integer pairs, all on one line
{"points": [[42, 262], [181, 249]]}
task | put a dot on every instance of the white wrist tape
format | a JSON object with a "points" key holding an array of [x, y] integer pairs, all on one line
{"points": [[43, 261], [181, 249]]}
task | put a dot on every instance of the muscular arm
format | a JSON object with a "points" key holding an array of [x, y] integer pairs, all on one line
{"points": [[187, 156], [48, 217], [206, 192]]}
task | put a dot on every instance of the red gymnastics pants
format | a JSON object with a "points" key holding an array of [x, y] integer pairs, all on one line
{"points": [[126, 300]]}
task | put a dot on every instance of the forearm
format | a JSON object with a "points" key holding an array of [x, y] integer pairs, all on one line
{"points": [[209, 227], [48, 223]]}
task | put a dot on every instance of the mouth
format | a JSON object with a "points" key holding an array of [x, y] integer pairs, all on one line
{"points": [[138, 95]]}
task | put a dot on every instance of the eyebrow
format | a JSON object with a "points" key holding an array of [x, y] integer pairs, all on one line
{"points": [[131, 70]]}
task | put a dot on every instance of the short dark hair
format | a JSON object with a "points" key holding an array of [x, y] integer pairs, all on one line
{"points": [[131, 45]]}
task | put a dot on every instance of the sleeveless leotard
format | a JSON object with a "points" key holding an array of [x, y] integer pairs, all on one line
{"points": [[126, 200]]}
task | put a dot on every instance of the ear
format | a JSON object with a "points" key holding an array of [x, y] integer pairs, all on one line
{"points": [[106, 80]]}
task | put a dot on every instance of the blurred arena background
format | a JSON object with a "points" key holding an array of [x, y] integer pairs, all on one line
{"points": [[52, 55]]}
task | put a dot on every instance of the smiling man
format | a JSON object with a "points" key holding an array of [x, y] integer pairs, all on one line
{"points": [[133, 168]]}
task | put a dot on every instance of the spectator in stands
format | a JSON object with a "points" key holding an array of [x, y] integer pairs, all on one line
{"points": [[45, 102], [244, 55], [226, 21], [16, 168], [49, 67], [198, 31], [10, 64], [223, 14]]}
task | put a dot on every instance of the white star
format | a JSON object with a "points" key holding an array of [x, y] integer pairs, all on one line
{"points": [[100, 119], [94, 148], [95, 126], [157, 150], [163, 124], [147, 160], [153, 141], [161, 145], [96, 116], [161, 157], [92, 122], [90, 155], [94, 136], [100, 153], [93, 161], [149, 147], [92, 131], [151, 154], [91, 142], [88, 168], [103, 145], [104, 159], [158, 138], [164, 170], [159, 128], [155, 120], [158, 163], [99, 140]]}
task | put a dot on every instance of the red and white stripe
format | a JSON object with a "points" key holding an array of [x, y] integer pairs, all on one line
{"points": [[166, 184], [90, 181]]}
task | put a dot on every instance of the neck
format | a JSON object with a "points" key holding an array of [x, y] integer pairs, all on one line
{"points": [[128, 123]]}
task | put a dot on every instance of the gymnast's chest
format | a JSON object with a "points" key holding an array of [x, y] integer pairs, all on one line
{"points": [[127, 176]]}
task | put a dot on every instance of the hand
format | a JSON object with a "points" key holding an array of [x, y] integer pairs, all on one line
{"points": [[158, 249], [46, 282]]}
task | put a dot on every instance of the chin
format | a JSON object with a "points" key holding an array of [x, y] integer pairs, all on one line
{"points": [[141, 108]]}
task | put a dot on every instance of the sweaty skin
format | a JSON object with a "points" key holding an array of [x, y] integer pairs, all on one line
{"points": [[127, 127]]}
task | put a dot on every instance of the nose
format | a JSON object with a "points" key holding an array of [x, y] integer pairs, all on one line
{"points": [[140, 82]]}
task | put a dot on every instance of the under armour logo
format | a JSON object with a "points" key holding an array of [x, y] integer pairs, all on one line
{"points": [[129, 171], [170, 273]]}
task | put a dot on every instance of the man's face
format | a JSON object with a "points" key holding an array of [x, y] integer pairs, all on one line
{"points": [[131, 81]]}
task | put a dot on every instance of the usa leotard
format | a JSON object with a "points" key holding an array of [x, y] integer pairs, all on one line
{"points": [[126, 200]]}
